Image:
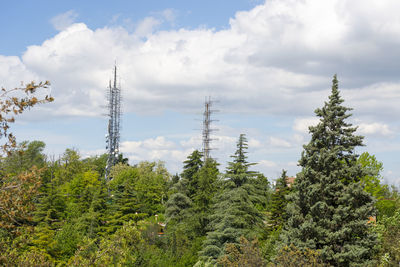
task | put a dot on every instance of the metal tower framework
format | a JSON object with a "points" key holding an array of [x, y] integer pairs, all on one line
{"points": [[207, 128], [114, 121]]}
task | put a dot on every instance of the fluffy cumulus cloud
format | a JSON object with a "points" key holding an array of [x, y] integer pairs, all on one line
{"points": [[279, 54], [375, 128], [276, 59]]}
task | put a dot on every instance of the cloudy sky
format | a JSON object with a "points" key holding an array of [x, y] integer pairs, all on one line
{"points": [[268, 64]]}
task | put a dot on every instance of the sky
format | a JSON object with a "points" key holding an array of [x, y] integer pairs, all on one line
{"points": [[267, 64]]}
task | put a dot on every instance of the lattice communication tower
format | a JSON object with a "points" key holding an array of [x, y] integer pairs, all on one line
{"points": [[114, 121], [207, 128]]}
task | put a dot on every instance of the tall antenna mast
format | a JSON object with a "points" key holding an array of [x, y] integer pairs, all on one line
{"points": [[207, 129], [114, 114]]}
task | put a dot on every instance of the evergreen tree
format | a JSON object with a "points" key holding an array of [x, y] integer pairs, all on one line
{"points": [[123, 205], [177, 208], [192, 165], [207, 187], [329, 209], [235, 214], [278, 202], [238, 169]]}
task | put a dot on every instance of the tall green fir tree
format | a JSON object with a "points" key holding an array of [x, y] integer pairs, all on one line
{"points": [[329, 209], [234, 211], [207, 186], [189, 178], [279, 202]]}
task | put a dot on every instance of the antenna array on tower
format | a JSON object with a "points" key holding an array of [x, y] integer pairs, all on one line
{"points": [[207, 128], [114, 114]]}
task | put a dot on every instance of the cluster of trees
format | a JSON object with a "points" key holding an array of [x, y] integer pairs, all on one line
{"points": [[336, 213]]}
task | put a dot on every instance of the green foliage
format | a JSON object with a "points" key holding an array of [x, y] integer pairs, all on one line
{"points": [[246, 253], [97, 163], [388, 229], [190, 168], [207, 186], [177, 208], [136, 193], [329, 209], [80, 192], [291, 256], [151, 187], [69, 166], [24, 157], [67, 214], [17, 196], [121, 249], [372, 179], [277, 210], [234, 212], [238, 168]]}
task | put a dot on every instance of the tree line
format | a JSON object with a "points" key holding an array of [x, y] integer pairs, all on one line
{"points": [[337, 212]]}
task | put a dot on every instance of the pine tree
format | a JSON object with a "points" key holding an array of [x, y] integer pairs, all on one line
{"points": [[329, 210]]}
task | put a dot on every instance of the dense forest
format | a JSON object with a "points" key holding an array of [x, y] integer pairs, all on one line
{"points": [[62, 212]]}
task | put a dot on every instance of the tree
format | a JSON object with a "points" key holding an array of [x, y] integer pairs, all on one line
{"points": [[17, 195], [235, 213], [279, 202], [389, 235], [191, 166], [372, 179], [17, 191], [120, 249], [23, 157], [11, 104], [151, 187], [238, 168], [207, 187], [245, 254], [329, 209]]}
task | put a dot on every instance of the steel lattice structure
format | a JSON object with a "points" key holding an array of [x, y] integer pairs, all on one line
{"points": [[114, 121], [207, 128]]}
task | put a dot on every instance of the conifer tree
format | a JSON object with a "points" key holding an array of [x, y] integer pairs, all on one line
{"points": [[235, 214], [279, 202], [207, 187], [189, 179], [329, 209]]}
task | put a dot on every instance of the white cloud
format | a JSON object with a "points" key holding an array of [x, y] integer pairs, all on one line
{"points": [[378, 100], [169, 15], [375, 128], [153, 149], [279, 142], [267, 163], [13, 72], [276, 58], [64, 20], [147, 26], [254, 143], [301, 124]]}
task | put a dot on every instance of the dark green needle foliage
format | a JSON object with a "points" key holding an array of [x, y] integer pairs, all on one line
{"points": [[279, 202], [189, 175], [329, 210], [207, 187], [235, 213]]}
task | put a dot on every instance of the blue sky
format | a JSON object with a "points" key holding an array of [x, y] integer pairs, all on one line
{"points": [[268, 63]]}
